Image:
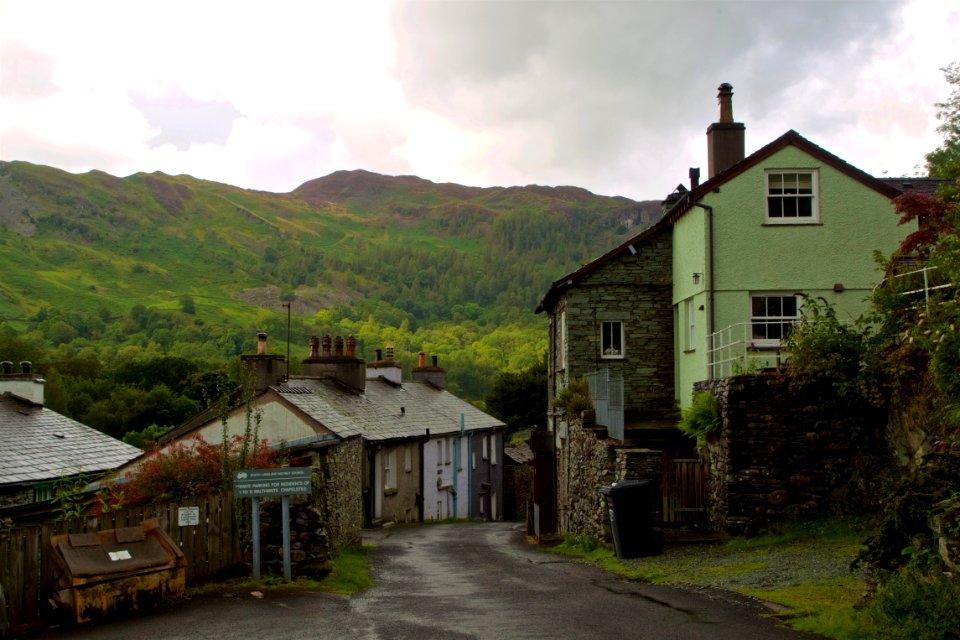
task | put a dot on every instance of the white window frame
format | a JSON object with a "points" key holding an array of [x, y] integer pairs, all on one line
{"points": [[390, 470], [612, 342], [786, 186], [690, 325], [771, 324]]}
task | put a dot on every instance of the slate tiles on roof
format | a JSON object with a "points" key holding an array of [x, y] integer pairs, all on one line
{"points": [[39, 445], [385, 411]]}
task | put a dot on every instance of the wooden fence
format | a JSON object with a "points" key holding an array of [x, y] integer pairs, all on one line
{"points": [[211, 547]]}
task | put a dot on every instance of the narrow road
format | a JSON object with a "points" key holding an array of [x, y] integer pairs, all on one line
{"points": [[476, 580]]}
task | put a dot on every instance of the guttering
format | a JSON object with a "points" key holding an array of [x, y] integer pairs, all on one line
{"points": [[710, 281]]}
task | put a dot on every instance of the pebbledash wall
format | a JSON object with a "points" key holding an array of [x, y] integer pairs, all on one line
{"points": [[781, 452], [589, 462]]}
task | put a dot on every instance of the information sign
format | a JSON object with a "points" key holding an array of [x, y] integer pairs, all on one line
{"points": [[188, 516], [262, 483]]}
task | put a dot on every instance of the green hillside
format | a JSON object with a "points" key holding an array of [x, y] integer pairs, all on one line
{"points": [[148, 266]]}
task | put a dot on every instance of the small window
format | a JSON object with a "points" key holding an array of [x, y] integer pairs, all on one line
{"points": [[408, 459], [771, 317], [447, 455], [439, 453], [611, 339], [690, 319], [494, 440], [486, 447], [792, 197], [473, 458], [390, 470], [42, 492]]}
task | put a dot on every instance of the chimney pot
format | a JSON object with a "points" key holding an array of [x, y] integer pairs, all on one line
{"points": [[434, 358], [725, 138], [379, 355], [338, 346], [725, 100], [314, 348], [26, 366], [694, 177], [422, 362], [261, 344], [389, 353], [326, 346], [351, 347], [6, 366]]}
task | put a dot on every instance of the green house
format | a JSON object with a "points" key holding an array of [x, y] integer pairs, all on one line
{"points": [[712, 288]]}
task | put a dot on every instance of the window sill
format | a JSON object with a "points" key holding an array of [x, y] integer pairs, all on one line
{"points": [[689, 350], [389, 492], [793, 223]]}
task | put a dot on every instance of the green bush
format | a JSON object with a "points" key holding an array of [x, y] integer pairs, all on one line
{"points": [[701, 418], [574, 399], [913, 606]]}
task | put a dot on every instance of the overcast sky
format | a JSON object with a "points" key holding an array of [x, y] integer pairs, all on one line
{"points": [[614, 97]]}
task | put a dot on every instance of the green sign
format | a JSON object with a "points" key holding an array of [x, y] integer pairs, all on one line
{"points": [[263, 483]]}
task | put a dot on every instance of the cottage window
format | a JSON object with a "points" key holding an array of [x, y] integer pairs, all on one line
{"points": [[390, 470], [611, 339], [771, 317], [493, 449], [42, 492], [792, 197], [439, 453], [486, 447]]}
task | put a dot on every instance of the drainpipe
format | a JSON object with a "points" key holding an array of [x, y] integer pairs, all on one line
{"points": [[710, 281]]}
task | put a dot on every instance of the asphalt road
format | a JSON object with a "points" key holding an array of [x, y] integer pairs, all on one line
{"points": [[458, 581]]}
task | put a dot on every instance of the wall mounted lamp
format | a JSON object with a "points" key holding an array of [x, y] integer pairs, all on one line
{"points": [[696, 277]]}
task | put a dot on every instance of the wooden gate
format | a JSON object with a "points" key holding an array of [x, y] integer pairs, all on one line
{"points": [[684, 491]]}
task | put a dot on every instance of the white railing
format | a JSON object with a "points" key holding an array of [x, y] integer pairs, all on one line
{"points": [[733, 351], [919, 281], [606, 392]]}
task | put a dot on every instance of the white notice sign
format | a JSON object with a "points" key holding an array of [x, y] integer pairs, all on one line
{"points": [[187, 516]]}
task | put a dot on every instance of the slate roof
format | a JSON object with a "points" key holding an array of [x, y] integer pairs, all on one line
{"points": [[37, 444], [384, 411]]}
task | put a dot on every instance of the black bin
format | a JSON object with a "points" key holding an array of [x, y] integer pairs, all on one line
{"points": [[632, 505]]}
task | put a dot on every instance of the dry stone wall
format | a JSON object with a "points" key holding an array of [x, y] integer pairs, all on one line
{"points": [[780, 453], [589, 461]]}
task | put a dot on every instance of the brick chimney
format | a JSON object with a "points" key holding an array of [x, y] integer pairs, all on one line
{"points": [[263, 370], [432, 374], [23, 384], [336, 360], [725, 138], [385, 366]]}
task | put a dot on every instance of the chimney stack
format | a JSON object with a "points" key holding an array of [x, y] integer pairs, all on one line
{"points": [[694, 178], [262, 370], [385, 367], [433, 374], [339, 363], [725, 138], [22, 384]]}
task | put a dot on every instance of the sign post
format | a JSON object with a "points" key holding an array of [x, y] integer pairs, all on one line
{"points": [[260, 483]]}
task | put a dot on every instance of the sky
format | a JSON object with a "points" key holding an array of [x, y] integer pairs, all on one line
{"points": [[614, 97]]}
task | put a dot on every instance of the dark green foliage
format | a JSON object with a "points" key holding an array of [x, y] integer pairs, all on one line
{"points": [[915, 606], [574, 399], [904, 530], [701, 418], [520, 399]]}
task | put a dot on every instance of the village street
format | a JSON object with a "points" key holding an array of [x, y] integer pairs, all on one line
{"points": [[477, 580]]}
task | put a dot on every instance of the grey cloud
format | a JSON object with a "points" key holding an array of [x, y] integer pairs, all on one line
{"points": [[608, 78], [184, 121]]}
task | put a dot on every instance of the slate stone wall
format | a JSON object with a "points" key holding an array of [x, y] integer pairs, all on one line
{"points": [[16, 497], [321, 524], [635, 290], [589, 461], [780, 453]]}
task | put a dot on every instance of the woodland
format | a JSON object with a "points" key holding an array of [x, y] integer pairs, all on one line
{"points": [[134, 296]]}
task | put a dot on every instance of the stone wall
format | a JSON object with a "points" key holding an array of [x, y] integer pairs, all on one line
{"points": [[588, 461], [16, 497], [781, 452], [328, 520]]}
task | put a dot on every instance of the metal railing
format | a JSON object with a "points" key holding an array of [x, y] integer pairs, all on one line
{"points": [[925, 281], [733, 351], [606, 393]]}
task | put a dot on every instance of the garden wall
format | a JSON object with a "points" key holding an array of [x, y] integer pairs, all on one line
{"points": [[781, 452]]}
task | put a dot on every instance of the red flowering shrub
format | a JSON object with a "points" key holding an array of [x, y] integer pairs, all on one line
{"points": [[193, 467]]}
